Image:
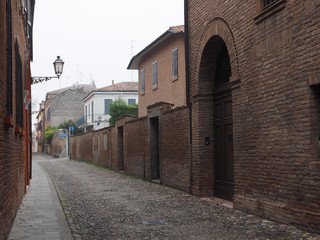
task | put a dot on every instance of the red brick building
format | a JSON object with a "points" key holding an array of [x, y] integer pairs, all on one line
{"points": [[250, 131], [253, 78], [16, 20], [161, 67]]}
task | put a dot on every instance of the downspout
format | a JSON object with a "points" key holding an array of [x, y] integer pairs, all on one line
{"points": [[188, 101]]}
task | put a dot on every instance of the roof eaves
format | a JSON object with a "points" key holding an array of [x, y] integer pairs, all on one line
{"points": [[135, 60]]}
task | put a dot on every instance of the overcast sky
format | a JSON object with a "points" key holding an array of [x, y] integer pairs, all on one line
{"points": [[96, 39]]}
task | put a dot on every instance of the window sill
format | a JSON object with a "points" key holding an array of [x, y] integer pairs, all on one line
{"points": [[8, 121], [142, 93], [174, 78], [154, 87], [269, 11]]}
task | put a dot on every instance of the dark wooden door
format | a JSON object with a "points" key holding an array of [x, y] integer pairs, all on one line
{"points": [[154, 148], [120, 149], [223, 147]]}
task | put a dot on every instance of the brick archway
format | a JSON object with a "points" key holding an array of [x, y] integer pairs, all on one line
{"points": [[216, 36], [217, 28]]}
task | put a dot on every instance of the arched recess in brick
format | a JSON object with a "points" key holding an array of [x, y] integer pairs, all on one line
{"points": [[217, 29], [209, 95]]}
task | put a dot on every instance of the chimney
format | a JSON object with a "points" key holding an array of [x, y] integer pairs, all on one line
{"points": [[112, 82]]}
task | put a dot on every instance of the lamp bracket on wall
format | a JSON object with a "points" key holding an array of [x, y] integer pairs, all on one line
{"points": [[40, 79]]}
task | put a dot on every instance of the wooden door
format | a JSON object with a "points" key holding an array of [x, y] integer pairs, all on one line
{"points": [[154, 148], [223, 147]]}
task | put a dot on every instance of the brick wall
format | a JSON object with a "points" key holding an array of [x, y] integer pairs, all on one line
{"points": [[81, 147], [175, 148], [136, 148], [58, 146], [102, 147], [95, 147], [12, 146], [274, 61]]}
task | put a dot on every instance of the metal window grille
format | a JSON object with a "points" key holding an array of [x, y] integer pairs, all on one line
{"points": [[267, 3]]}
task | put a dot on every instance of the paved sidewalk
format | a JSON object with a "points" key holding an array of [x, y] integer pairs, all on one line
{"points": [[40, 215]]}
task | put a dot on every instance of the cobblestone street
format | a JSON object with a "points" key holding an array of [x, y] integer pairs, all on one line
{"points": [[101, 204]]}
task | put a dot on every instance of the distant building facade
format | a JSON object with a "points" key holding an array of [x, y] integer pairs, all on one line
{"points": [[96, 103], [161, 67], [253, 77], [65, 104], [40, 128], [16, 24]]}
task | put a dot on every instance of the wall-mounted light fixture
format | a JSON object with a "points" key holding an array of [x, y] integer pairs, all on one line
{"points": [[58, 68], [42, 106], [99, 119]]}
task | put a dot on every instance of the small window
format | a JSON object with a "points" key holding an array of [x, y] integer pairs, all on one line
{"points": [[86, 115], [175, 64], [89, 111], [131, 101], [48, 114], [142, 81], [107, 103], [92, 111], [268, 3], [267, 8], [155, 75]]}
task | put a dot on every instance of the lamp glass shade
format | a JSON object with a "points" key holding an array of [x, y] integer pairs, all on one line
{"points": [[42, 106], [58, 66]]}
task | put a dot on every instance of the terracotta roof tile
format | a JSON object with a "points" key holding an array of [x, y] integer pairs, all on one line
{"points": [[178, 28], [122, 86]]}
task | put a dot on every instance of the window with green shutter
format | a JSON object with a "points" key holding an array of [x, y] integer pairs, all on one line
{"points": [[175, 64], [142, 81], [155, 75]]}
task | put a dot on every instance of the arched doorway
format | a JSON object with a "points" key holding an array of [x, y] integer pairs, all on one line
{"points": [[214, 78]]}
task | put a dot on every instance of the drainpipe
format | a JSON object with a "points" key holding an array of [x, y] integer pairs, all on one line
{"points": [[187, 69]]}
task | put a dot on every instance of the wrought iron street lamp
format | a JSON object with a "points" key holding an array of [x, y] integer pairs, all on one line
{"points": [[58, 68]]}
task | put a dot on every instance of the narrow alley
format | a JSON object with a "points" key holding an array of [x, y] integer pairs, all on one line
{"points": [[102, 204]]}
